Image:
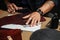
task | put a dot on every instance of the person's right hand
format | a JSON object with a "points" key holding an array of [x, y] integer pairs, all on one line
{"points": [[12, 7]]}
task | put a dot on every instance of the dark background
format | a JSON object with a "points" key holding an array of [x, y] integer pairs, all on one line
{"points": [[2, 5]]}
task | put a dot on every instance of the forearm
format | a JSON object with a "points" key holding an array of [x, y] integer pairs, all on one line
{"points": [[48, 5]]}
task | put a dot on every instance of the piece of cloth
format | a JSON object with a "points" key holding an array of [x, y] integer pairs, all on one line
{"points": [[46, 34], [15, 34], [15, 19]]}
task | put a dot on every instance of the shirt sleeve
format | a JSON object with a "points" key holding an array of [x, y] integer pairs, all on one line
{"points": [[55, 2]]}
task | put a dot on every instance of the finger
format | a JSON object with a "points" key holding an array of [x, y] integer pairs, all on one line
{"points": [[35, 22], [20, 8], [28, 20], [32, 22], [38, 20], [9, 9], [9, 38], [11, 6], [26, 16], [13, 9], [15, 6]]}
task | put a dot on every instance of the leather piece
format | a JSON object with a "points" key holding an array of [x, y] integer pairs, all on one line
{"points": [[15, 34], [16, 19]]}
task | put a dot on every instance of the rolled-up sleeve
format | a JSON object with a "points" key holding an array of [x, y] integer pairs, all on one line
{"points": [[56, 2]]}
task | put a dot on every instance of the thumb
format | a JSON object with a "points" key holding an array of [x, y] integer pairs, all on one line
{"points": [[27, 16]]}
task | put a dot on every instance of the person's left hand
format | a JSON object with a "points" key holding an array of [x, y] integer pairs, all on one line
{"points": [[9, 38], [34, 18]]}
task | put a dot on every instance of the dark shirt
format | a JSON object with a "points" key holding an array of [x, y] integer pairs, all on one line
{"points": [[19, 3], [2, 5], [33, 4]]}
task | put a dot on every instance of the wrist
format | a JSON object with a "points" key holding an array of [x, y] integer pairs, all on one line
{"points": [[40, 12]]}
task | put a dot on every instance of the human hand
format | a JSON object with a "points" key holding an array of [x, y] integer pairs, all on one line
{"points": [[34, 18], [9, 38], [12, 7]]}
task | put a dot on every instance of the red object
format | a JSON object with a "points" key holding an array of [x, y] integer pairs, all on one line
{"points": [[42, 19], [15, 34], [16, 19]]}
